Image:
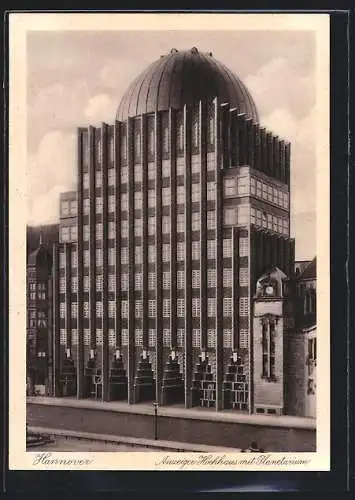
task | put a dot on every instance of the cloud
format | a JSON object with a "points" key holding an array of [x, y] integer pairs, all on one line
{"points": [[100, 108], [50, 169], [278, 85]]}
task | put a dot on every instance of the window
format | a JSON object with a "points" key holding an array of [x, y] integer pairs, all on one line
{"points": [[124, 282], [62, 260], [138, 281], [243, 306], [243, 214], [64, 231], [138, 336], [180, 304], [124, 175], [195, 134], [165, 225], [166, 337], [166, 308], [211, 249], [180, 278], [111, 309], [180, 166], [211, 190], [211, 130], [243, 247], [63, 336], [230, 187], [230, 216], [211, 338], [227, 277], [99, 283], [151, 253], [124, 228], [243, 185], [87, 336], [227, 306], [86, 232], [74, 336], [99, 229], [195, 192], [180, 337], [86, 180], [138, 255], [98, 178], [86, 206], [166, 196], [124, 202], [165, 168], [124, 308], [138, 310], [138, 173], [86, 310], [195, 250], [62, 310], [138, 227], [124, 255], [99, 309], [196, 337], [62, 285], [74, 284], [151, 337], [166, 280], [151, 198], [124, 336], [86, 283], [74, 258], [211, 307], [151, 226], [258, 189], [268, 350], [227, 338], [227, 248], [211, 278], [65, 208], [112, 283], [180, 195], [111, 256], [180, 251], [195, 221], [98, 205], [195, 164], [151, 169], [252, 186], [195, 307], [211, 219], [285, 200], [151, 308], [111, 337], [243, 277], [111, 177], [137, 145], [151, 281], [180, 223], [99, 257], [195, 278], [138, 200], [211, 161], [243, 339]]}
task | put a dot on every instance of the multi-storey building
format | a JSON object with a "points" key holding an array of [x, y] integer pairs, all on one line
{"points": [[39, 320], [182, 205]]}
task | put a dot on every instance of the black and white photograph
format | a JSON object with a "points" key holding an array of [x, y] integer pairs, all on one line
{"points": [[172, 241]]}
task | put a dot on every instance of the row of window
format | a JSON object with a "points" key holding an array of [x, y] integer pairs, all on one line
{"points": [[39, 286], [245, 185], [68, 233], [152, 170], [180, 253], [196, 337], [38, 295], [138, 280], [138, 306]]}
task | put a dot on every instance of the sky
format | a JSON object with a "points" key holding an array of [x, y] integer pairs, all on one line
{"points": [[78, 78]]}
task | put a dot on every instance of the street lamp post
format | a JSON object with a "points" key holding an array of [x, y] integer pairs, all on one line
{"points": [[155, 405]]}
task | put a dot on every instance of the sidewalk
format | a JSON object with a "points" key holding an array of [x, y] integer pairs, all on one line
{"points": [[157, 445], [285, 421]]}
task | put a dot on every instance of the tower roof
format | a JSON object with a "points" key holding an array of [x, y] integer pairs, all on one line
{"points": [[184, 77]]}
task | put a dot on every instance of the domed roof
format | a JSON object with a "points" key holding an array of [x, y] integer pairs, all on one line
{"points": [[184, 77]]}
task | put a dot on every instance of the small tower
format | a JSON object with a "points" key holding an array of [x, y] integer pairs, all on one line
{"points": [[271, 312]]}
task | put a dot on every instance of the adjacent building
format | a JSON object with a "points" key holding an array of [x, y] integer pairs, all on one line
{"points": [[174, 276]]}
